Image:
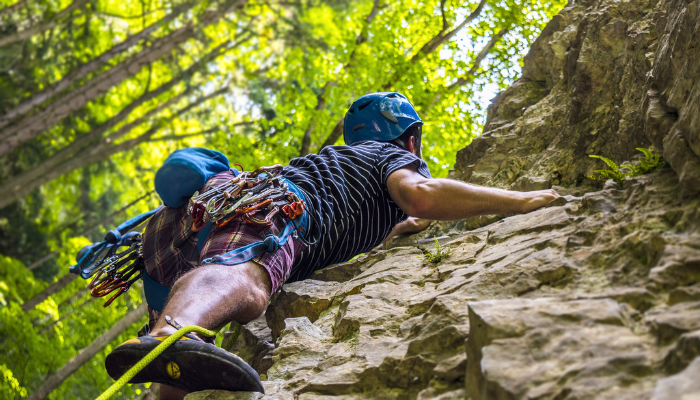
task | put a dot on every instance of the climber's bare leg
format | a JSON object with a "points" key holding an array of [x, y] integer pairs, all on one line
{"points": [[213, 295]]}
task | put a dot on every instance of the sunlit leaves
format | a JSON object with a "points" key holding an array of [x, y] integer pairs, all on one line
{"points": [[321, 60]]}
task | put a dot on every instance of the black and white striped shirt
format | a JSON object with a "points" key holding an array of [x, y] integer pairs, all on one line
{"points": [[350, 209]]}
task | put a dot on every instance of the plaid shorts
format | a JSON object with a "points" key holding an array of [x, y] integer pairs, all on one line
{"points": [[170, 246]]}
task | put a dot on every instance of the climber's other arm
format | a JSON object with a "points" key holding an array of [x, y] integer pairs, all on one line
{"points": [[446, 199], [411, 225]]}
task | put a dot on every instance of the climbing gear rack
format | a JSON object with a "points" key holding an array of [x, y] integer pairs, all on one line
{"points": [[262, 190]]}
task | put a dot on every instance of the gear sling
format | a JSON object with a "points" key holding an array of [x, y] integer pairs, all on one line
{"points": [[117, 262]]}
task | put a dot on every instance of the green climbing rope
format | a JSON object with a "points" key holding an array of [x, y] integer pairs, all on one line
{"points": [[151, 356], [234, 330]]}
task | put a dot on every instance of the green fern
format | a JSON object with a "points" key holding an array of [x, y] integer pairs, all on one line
{"points": [[608, 161], [651, 162], [440, 253]]}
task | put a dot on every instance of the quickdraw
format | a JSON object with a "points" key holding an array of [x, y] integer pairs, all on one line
{"points": [[260, 191], [118, 272]]}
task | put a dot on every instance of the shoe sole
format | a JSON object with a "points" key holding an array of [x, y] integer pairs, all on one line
{"points": [[187, 364]]}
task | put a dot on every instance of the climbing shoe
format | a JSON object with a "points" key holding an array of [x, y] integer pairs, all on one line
{"points": [[189, 364]]}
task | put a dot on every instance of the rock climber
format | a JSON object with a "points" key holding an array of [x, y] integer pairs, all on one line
{"points": [[357, 195]]}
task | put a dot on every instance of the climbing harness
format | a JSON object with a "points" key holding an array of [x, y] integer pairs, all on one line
{"points": [[262, 190], [181, 331]]}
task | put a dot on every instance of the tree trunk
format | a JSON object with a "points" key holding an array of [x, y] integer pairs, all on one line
{"points": [[29, 32], [82, 71], [33, 125], [42, 260], [320, 105], [335, 134], [55, 380], [106, 149]]}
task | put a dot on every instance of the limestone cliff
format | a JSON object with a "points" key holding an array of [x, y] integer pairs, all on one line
{"points": [[596, 296]]}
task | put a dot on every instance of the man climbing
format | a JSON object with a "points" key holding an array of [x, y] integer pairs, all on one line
{"points": [[355, 197]]}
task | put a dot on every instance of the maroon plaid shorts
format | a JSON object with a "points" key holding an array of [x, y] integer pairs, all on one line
{"points": [[170, 247]]}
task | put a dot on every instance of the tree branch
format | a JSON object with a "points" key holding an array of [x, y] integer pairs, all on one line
{"points": [[442, 37], [445, 24], [108, 14], [12, 8], [438, 40], [185, 136], [469, 76]]}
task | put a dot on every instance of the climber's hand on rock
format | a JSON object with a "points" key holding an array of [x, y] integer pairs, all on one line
{"points": [[539, 198]]}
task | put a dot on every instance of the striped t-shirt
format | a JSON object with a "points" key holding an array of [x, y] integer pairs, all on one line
{"points": [[349, 205]]}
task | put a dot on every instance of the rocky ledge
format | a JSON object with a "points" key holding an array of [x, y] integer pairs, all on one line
{"points": [[596, 296]]}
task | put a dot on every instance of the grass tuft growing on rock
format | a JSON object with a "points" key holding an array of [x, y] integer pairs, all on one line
{"points": [[439, 255]]}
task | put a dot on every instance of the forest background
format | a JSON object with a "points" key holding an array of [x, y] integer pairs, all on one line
{"points": [[94, 94]]}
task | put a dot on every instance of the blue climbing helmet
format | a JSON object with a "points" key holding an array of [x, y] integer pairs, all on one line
{"points": [[382, 116]]}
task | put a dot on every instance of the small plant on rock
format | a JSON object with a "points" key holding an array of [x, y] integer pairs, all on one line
{"points": [[439, 255], [618, 174]]}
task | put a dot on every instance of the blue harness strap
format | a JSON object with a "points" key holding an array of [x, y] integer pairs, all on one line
{"points": [[157, 294], [269, 244]]}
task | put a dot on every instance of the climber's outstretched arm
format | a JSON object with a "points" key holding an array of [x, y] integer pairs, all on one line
{"points": [[446, 199]]}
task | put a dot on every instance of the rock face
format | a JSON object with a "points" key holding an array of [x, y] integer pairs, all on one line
{"points": [[604, 77], [596, 296]]}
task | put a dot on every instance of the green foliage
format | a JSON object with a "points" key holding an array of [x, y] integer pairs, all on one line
{"points": [[618, 174], [439, 255], [330, 55], [37, 343], [650, 162], [603, 174], [18, 283]]}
